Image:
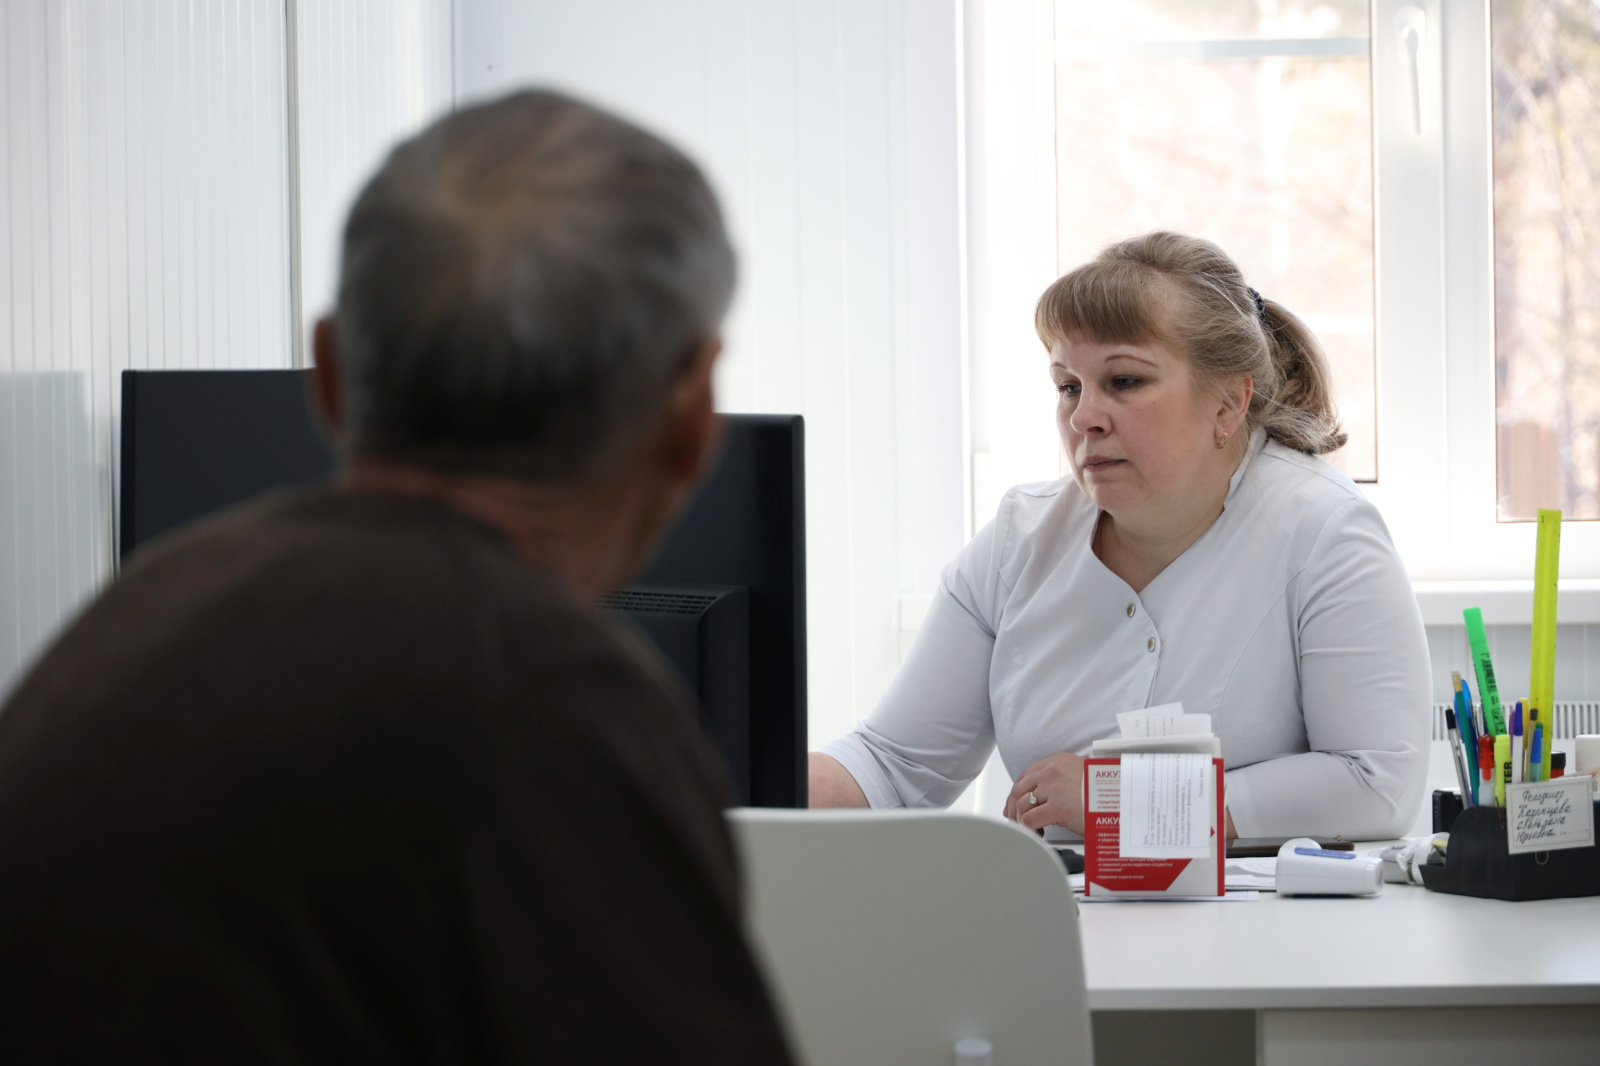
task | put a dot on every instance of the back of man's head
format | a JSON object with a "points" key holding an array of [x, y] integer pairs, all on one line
{"points": [[522, 284]]}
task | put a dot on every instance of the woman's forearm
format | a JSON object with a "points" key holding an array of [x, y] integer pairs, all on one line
{"points": [[830, 785]]}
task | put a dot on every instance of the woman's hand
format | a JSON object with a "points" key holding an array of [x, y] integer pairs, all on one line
{"points": [[1050, 792]]}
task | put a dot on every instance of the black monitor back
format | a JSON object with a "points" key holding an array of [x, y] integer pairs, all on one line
{"points": [[197, 441], [746, 527]]}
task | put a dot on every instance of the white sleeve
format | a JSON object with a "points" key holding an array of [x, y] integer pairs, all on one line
{"points": [[932, 731], [1364, 691]]}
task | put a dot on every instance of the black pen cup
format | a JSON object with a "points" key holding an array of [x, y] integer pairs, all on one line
{"points": [[1478, 862]]}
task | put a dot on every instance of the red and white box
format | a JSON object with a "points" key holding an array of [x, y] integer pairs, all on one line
{"points": [[1107, 873]]}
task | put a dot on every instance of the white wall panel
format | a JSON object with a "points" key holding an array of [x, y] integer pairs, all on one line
{"points": [[830, 130], [143, 214], [369, 74]]}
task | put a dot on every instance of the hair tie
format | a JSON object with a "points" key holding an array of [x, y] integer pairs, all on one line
{"points": [[1261, 305]]}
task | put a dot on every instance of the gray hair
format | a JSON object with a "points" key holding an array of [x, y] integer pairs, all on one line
{"points": [[522, 284]]}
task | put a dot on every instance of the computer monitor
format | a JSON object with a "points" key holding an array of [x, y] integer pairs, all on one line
{"points": [[724, 600]]}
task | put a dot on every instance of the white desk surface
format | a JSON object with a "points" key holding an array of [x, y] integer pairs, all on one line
{"points": [[1406, 947]]}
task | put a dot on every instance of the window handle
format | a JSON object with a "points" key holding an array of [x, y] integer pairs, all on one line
{"points": [[1413, 36]]}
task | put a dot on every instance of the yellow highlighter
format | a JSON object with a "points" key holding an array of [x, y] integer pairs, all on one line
{"points": [[1502, 768]]}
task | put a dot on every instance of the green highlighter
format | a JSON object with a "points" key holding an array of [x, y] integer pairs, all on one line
{"points": [[1488, 692]]}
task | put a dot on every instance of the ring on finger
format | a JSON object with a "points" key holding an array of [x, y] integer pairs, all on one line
{"points": [[1033, 800]]}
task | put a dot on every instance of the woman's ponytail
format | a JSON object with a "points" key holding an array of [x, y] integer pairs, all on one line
{"points": [[1300, 412]]}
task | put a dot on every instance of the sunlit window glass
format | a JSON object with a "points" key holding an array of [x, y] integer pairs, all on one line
{"points": [[1546, 77], [1248, 122]]}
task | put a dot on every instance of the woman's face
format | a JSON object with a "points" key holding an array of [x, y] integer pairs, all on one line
{"points": [[1141, 437]]}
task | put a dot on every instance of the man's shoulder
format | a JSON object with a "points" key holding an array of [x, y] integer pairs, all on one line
{"points": [[312, 598]]}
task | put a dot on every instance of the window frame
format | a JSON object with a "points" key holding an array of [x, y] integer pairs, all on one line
{"points": [[1437, 486]]}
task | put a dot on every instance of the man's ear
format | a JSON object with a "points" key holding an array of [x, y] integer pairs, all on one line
{"points": [[326, 396], [691, 431]]}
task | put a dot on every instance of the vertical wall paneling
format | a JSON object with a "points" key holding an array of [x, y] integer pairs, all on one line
{"points": [[830, 129], [936, 431], [143, 219], [368, 74]]}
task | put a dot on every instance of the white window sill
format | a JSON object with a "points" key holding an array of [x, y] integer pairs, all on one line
{"points": [[1505, 603]]}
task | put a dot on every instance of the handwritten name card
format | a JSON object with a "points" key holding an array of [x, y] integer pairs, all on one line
{"points": [[1549, 815]]}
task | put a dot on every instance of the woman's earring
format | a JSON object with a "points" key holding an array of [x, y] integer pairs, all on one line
{"points": [[1223, 442]]}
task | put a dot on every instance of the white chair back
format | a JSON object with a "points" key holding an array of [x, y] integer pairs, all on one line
{"points": [[888, 936]]}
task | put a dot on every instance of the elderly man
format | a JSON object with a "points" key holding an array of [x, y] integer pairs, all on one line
{"points": [[359, 774]]}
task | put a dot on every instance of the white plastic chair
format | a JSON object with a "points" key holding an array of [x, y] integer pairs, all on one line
{"points": [[889, 936]]}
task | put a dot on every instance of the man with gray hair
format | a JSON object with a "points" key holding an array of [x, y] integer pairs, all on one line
{"points": [[360, 773]]}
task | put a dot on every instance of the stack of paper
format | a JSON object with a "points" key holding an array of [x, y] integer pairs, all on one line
{"points": [[1167, 782]]}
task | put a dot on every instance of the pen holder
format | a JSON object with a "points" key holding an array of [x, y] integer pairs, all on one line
{"points": [[1477, 863], [1447, 807]]}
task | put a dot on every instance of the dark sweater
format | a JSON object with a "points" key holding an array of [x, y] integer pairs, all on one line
{"points": [[341, 778]]}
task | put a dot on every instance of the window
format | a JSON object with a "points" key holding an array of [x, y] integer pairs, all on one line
{"points": [[1545, 75], [1246, 123], [1459, 318]]}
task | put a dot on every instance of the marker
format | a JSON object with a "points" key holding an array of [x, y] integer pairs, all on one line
{"points": [[1536, 760], [1494, 722], [1457, 752], [1516, 744], [1485, 772], [1502, 767]]}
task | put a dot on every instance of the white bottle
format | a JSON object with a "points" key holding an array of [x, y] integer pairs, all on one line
{"points": [[1307, 869]]}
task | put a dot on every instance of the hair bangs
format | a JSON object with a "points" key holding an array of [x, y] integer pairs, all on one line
{"points": [[1104, 302]]}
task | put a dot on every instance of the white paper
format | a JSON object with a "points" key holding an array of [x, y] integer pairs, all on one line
{"points": [[1167, 805], [1197, 743], [1549, 815], [1167, 720], [1245, 896], [1250, 873], [1233, 882]]}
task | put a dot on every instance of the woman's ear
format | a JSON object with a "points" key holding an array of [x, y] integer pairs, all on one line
{"points": [[1235, 405]]}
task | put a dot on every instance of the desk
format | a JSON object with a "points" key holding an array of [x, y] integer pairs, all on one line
{"points": [[1376, 980]]}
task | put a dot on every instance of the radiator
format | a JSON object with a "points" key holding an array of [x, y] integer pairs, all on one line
{"points": [[1571, 719]]}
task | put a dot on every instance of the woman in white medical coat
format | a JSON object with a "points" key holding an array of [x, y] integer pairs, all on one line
{"points": [[1201, 551]]}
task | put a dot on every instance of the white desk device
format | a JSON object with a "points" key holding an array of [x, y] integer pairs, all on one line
{"points": [[1305, 869]]}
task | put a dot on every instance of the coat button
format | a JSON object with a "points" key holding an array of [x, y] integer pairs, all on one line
{"points": [[1130, 610], [1152, 644]]}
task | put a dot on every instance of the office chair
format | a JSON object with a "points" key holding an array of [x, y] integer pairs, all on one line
{"points": [[890, 936]]}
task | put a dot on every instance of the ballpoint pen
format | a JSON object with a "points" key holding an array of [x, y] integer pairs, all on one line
{"points": [[1469, 735], [1536, 759], [1458, 755], [1516, 744], [1528, 727]]}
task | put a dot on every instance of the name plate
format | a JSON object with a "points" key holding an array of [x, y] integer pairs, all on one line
{"points": [[1549, 815]]}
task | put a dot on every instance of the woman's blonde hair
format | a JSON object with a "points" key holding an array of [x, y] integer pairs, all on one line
{"points": [[1126, 295]]}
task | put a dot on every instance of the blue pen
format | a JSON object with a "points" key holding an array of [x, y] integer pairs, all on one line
{"points": [[1535, 769], [1517, 766], [1469, 735]]}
